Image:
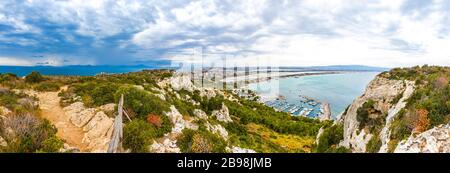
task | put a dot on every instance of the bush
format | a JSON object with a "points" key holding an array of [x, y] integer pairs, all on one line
{"points": [[104, 93], [154, 120], [142, 102], [374, 144], [18, 103], [363, 117], [200, 141], [47, 87], [137, 135], [8, 77], [212, 104], [32, 134], [96, 94], [401, 126], [330, 138], [51, 145], [34, 77]]}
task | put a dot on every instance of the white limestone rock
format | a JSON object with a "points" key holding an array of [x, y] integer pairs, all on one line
{"points": [[83, 117], [218, 129], [435, 140], [222, 114], [200, 114], [167, 146], [4, 111], [3, 143], [68, 149], [382, 91], [235, 149], [319, 134], [110, 107], [98, 132], [177, 120], [182, 81], [209, 93]]}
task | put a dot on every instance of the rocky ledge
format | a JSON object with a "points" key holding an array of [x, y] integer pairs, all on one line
{"points": [[435, 140], [95, 123]]}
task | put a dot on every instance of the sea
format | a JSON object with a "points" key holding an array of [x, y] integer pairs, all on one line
{"points": [[339, 90]]}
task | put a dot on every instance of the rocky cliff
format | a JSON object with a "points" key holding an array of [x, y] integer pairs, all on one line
{"points": [[369, 121], [382, 92]]}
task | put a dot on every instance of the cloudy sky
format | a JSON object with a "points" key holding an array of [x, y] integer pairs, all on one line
{"points": [[283, 32]]}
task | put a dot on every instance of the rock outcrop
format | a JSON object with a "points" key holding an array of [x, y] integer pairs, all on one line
{"points": [[200, 114], [223, 114], [235, 149], [3, 143], [178, 122], [218, 129], [392, 113], [326, 113], [182, 82], [383, 92], [95, 123], [4, 111], [98, 132], [435, 140], [208, 93], [167, 146], [69, 149]]}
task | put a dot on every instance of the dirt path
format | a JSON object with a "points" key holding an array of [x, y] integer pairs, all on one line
{"points": [[51, 110]]}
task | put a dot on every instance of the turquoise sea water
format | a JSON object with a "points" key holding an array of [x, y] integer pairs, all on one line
{"points": [[339, 90]]}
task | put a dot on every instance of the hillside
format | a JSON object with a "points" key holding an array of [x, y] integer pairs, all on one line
{"points": [[168, 114], [403, 110]]}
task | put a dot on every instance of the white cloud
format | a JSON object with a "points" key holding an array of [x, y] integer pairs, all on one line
{"points": [[291, 32], [14, 61]]}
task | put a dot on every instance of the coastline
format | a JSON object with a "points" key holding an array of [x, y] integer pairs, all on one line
{"points": [[319, 109]]}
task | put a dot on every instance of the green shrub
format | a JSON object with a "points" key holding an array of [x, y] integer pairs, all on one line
{"points": [[32, 134], [401, 126], [96, 93], [8, 77], [47, 87], [137, 135], [432, 94], [200, 141], [330, 138], [18, 103], [374, 144], [34, 77], [142, 102], [363, 117], [104, 93], [52, 145]]}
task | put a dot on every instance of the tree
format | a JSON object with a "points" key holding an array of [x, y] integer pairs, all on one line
{"points": [[34, 77]]}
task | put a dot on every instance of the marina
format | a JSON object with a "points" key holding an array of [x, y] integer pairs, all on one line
{"points": [[313, 96], [304, 107]]}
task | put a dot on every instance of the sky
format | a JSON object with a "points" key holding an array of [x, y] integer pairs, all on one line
{"points": [[388, 33]]}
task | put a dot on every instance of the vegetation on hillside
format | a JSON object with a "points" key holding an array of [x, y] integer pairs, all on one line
{"points": [[369, 117], [22, 129], [428, 106], [329, 140]]}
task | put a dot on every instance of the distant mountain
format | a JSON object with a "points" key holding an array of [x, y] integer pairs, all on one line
{"points": [[341, 68]]}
